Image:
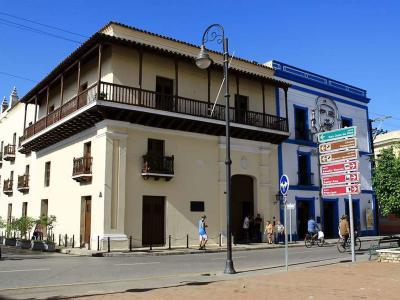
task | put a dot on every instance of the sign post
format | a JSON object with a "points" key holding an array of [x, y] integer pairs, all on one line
{"points": [[284, 188], [290, 207], [339, 166]]}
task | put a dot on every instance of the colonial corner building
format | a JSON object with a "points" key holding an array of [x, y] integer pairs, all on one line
{"points": [[119, 140]]}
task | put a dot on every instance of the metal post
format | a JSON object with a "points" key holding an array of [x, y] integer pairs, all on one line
{"points": [[353, 254], [80, 241], [108, 244], [290, 226], [169, 242], [59, 240], [130, 243], [66, 241], [187, 241], [286, 236], [98, 243], [220, 240], [73, 241]]}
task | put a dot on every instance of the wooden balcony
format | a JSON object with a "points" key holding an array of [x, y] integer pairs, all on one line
{"points": [[158, 167], [23, 183], [8, 187], [82, 169], [9, 152], [149, 108]]}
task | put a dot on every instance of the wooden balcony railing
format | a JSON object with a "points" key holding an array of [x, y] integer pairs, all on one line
{"points": [[82, 168], [139, 97], [9, 152], [8, 186], [158, 166], [23, 182]]}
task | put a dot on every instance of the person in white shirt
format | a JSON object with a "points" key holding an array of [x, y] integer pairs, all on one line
{"points": [[246, 227]]}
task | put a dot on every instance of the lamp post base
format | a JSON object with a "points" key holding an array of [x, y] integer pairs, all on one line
{"points": [[229, 269]]}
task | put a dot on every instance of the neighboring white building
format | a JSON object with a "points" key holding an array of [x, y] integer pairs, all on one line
{"points": [[298, 157]]}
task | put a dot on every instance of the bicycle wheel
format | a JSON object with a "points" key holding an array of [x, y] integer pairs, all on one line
{"points": [[321, 242], [340, 246], [308, 242]]}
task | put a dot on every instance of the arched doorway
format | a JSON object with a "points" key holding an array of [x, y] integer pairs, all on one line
{"points": [[242, 203]]}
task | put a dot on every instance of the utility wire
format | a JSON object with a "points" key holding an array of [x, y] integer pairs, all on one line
{"points": [[17, 76], [42, 24], [31, 29]]}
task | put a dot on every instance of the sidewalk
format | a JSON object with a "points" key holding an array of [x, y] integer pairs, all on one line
{"points": [[193, 249], [365, 280]]}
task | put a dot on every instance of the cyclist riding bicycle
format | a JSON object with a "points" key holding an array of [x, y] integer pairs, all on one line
{"points": [[312, 228], [344, 230]]}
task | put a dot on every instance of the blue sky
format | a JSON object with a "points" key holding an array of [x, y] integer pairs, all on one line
{"points": [[356, 42]]}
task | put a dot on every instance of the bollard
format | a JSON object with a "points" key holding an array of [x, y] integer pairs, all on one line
{"points": [[80, 241], [130, 243], [169, 242], [151, 245], [73, 241], [59, 239], [233, 240], [98, 243], [220, 240], [187, 241], [108, 244], [0, 253], [66, 241]]}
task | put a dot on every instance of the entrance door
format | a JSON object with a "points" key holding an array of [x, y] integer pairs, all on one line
{"points": [[242, 204], [305, 209], [153, 221], [86, 219], [330, 218], [241, 107], [165, 91]]}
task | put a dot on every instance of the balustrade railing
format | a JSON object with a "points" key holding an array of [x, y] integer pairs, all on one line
{"points": [[82, 166], [135, 96]]}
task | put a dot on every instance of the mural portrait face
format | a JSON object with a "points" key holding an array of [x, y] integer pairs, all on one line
{"points": [[326, 114]]}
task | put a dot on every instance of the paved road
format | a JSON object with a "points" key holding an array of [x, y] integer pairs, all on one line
{"points": [[41, 276]]}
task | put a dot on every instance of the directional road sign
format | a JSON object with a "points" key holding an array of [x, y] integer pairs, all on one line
{"points": [[284, 184], [338, 134], [291, 206], [338, 145], [338, 156], [341, 178], [341, 190], [340, 167]]}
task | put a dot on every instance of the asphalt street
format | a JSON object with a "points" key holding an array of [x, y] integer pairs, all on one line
{"points": [[52, 275]]}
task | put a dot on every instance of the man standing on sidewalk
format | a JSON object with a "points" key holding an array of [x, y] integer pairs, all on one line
{"points": [[202, 233]]}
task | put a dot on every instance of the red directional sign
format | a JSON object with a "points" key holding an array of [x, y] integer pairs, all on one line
{"points": [[340, 167], [341, 178], [341, 190]]}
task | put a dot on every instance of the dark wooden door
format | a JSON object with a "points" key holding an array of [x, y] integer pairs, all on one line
{"points": [[303, 215], [165, 91], [88, 219], [241, 108], [153, 221]]}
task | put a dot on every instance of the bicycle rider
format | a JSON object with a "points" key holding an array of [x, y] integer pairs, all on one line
{"points": [[312, 228], [344, 230]]}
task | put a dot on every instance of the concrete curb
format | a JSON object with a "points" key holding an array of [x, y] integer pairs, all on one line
{"points": [[183, 251]]}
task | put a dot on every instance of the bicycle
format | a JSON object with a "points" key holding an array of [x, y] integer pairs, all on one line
{"points": [[309, 241], [342, 247]]}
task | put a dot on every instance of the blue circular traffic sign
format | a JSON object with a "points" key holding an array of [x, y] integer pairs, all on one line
{"points": [[284, 184]]}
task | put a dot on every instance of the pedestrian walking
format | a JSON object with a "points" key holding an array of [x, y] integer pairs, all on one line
{"points": [[269, 231], [203, 233], [280, 231]]}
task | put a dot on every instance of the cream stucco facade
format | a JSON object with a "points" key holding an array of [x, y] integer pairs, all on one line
{"points": [[117, 132]]}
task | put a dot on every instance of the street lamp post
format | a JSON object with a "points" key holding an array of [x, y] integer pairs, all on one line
{"points": [[203, 61]]}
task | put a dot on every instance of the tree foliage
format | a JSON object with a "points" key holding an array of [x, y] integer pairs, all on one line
{"points": [[386, 182]]}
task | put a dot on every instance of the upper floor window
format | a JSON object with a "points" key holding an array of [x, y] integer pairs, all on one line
{"points": [[301, 123], [305, 177], [165, 91], [24, 209], [47, 173], [347, 122], [241, 108], [155, 148]]}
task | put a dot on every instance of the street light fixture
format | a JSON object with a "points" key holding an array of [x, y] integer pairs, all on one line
{"points": [[203, 61]]}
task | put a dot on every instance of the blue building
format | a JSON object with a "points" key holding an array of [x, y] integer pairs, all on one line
{"points": [[298, 155]]}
